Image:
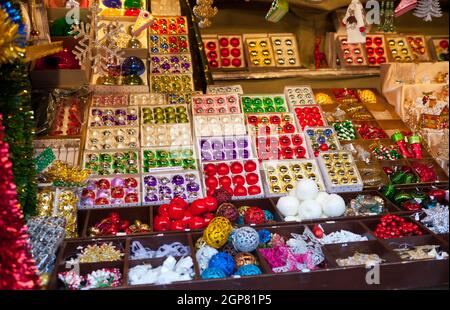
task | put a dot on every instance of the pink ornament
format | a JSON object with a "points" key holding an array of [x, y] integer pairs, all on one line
{"points": [[404, 6]]}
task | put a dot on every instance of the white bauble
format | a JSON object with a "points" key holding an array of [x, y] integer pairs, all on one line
{"points": [[288, 205], [322, 197], [334, 206], [306, 189], [309, 209], [291, 218]]}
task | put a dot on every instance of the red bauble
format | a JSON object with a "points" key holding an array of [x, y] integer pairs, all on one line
{"points": [[210, 169], [234, 42], [101, 201], [224, 52], [86, 193], [285, 141], [211, 182], [187, 217], [252, 178], [240, 191], [198, 207], [163, 210], [132, 12], [197, 222], [236, 167], [213, 64], [238, 180], [235, 52], [255, 216], [103, 184], [324, 147], [300, 152], [179, 201], [223, 169], [317, 231], [117, 192], [223, 42], [208, 218], [130, 182], [211, 203], [175, 212], [161, 223], [131, 198], [225, 181], [250, 166], [297, 140], [236, 62], [254, 190], [225, 62], [178, 225]]}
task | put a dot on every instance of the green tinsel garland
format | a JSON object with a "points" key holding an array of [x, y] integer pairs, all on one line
{"points": [[15, 105]]}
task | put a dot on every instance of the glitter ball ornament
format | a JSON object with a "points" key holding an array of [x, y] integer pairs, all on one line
{"points": [[223, 261], [228, 211], [248, 270], [243, 258], [255, 216], [217, 231], [245, 239], [334, 206], [213, 273]]}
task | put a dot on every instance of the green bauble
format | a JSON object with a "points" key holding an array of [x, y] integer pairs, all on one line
{"points": [[132, 80], [130, 4]]}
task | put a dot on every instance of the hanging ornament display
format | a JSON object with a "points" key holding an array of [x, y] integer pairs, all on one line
{"points": [[354, 21], [277, 11], [427, 9], [386, 17], [204, 10], [404, 6], [12, 41]]}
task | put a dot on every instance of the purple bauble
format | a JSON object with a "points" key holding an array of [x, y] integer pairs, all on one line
{"points": [[242, 143], [206, 155], [217, 145], [132, 117], [133, 66], [229, 144], [150, 198], [218, 155], [121, 112], [205, 145], [97, 112], [150, 180], [165, 190], [91, 185], [177, 179], [117, 182], [244, 154], [155, 59], [87, 202], [182, 195], [193, 187], [230, 154], [102, 193], [113, 4]]}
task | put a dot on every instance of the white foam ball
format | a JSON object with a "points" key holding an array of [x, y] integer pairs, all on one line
{"points": [[288, 205], [306, 189], [322, 197], [309, 209], [334, 206], [291, 218]]}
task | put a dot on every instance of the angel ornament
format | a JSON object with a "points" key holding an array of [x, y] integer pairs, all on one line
{"points": [[354, 21]]}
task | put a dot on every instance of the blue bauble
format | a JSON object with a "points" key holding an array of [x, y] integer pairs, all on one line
{"points": [[328, 132], [321, 139], [268, 215], [133, 65], [248, 270], [113, 4], [213, 273], [222, 261], [310, 132]]}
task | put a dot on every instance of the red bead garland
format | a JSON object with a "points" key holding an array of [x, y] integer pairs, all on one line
{"points": [[392, 226]]}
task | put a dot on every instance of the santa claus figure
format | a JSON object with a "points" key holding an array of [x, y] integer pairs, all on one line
{"points": [[354, 21]]}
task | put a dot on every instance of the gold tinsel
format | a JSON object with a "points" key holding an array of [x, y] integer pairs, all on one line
{"points": [[322, 98], [60, 171], [9, 50]]}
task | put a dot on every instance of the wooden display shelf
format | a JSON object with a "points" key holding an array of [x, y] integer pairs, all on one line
{"points": [[295, 73], [395, 273]]}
